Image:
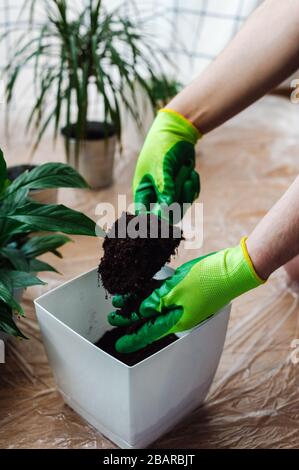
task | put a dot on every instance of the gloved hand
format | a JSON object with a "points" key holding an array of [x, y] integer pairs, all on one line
{"points": [[165, 168], [197, 290]]}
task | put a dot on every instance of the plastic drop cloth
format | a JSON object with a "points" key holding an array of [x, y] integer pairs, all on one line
{"points": [[245, 167]]}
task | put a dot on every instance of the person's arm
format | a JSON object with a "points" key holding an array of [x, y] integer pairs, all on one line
{"points": [[263, 54], [201, 287], [275, 240]]}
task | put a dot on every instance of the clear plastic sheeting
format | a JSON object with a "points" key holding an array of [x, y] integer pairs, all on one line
{"points": [[245, 167]]}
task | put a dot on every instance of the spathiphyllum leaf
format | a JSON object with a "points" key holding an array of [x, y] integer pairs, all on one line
{"points": [[48, 175], [9, 228], [20, 216], [10, 201], [6, 295], [57, 253], [16, 258], [36, 266], [39, 245], [7, 323], [19, 279], [54, 218]]}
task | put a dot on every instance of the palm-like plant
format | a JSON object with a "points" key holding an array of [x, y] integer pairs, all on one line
{"points": [[163, 90], [72, 49], [19, 217]]}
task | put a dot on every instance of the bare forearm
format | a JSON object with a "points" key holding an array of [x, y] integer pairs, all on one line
{"points": [[275, 240], [262, 55]]}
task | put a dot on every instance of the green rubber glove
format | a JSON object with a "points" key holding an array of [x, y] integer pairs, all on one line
{"points": [[197, 290], [165, 168]]}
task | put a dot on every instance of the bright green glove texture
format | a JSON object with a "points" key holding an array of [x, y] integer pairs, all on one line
{"points": [[165, 168], [197, 290]]}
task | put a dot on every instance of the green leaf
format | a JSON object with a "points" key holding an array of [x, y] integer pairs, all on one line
{"points": [[16, 258], [46, 84], [54, 218], [39, 245], [9, 228], [59, 93], [7, 324], [11, 201], [57, 253], [19, 279], [48, 175], [74, 63], [3, 172], [36, 266], [7, 297], [68, 97]]}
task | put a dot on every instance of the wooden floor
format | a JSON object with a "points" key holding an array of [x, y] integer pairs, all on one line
{"points": [[245, 167]]}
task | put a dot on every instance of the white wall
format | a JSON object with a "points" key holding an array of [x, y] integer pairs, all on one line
{"points": [[199, 29]]}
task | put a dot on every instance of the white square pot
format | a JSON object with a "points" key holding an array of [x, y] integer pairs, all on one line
{"points": [[132, 406]]}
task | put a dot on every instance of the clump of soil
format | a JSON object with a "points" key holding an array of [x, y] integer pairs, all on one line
{"points": [[128, 266], [130, 263], [108, 340]]}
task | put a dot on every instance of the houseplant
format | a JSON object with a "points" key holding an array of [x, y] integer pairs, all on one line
{"points": [[20, 217], [74, 53]]}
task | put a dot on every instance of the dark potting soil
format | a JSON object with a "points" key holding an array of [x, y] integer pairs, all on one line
{"points": [[128, 266], [107, 341], [94, 131]]}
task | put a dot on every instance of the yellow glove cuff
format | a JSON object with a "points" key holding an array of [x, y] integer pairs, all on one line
{"points": [[183, 118], [249, 261]]}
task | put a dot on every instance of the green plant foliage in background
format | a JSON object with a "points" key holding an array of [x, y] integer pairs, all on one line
{"points": [[163, 89], [73, 48], [20, 217]]}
